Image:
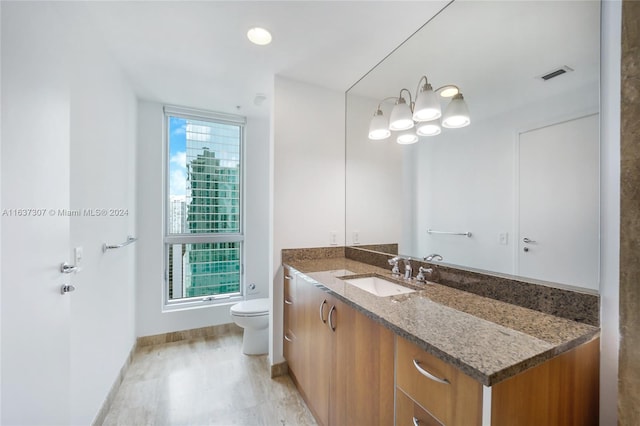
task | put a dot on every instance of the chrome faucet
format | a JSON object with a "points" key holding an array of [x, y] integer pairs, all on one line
{"points": [[407, 269], [431, 257]]}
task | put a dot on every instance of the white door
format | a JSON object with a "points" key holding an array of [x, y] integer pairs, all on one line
{"points": [[35, 176], [559, 188]]}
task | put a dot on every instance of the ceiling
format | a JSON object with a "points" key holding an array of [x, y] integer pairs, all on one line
{"points": [[498, 56], [196, 54]]}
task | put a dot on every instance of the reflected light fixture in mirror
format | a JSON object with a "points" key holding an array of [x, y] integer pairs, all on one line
{"points": [[401, 114], [425, 114]]}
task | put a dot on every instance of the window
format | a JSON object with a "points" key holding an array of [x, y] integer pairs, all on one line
{"points": [[203, 238]]}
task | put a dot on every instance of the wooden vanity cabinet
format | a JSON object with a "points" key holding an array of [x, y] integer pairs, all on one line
{"points": [[346, 370], [343, 363]]}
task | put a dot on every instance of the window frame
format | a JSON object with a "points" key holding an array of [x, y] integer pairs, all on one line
{"points": [[198, 238]]}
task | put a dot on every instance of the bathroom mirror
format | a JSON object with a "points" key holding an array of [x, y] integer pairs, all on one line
{"points": [[517, 191]]}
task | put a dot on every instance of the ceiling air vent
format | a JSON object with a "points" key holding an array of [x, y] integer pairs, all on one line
{"points": [[558, 71]]}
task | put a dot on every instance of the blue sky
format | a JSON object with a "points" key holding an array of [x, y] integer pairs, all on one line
{"points": [[177, 156]]}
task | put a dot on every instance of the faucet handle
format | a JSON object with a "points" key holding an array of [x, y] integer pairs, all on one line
{"points": [[420, 277]]}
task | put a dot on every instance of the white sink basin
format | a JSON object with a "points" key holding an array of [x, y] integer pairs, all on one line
{"points": [[379, 286], [341, 272]]}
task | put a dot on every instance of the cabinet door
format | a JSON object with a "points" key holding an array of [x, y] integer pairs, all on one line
{"points": [[317, 346], [362, 385]]}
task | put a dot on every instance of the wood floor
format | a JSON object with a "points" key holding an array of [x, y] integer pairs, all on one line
{"points": [[206, 381]]}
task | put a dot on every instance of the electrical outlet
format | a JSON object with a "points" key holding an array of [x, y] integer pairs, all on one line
{"points": [[503, 238], [333, 238], [356, 237]]}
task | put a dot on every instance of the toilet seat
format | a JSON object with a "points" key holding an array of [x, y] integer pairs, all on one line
{"points": [[251, 308]]}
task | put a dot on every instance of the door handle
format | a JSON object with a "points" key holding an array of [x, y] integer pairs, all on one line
{"points": [[65, 268], [528, 241]]}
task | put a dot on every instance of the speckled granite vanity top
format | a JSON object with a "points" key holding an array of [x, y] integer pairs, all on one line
{"points": [[487, 339]]}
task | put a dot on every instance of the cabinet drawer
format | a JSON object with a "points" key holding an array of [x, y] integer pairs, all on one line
{"points": [[408, 413], [444, 391]]}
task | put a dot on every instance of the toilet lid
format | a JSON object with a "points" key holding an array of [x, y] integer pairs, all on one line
{"points": [[251, 307]]}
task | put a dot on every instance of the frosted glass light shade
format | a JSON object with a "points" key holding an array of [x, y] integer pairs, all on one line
{"points": [[400, 116], [407, 137], [457, 114], [427, 106], [428, 128], [379, 127]]}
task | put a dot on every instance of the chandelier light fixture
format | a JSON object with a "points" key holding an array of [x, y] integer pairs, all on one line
{"points": [[424, 117]]}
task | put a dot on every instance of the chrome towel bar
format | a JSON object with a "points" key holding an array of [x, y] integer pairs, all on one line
{"points": [[466, 234], [130, 240]]}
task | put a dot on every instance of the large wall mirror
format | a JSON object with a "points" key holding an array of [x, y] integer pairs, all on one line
{"points": [[515, 192]]}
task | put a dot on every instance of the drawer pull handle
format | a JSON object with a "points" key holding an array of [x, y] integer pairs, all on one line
{"points": [[324, 302], [416, 422], [428, 375], [287, 338], [288, 277], [330, 318], [288, 302]]}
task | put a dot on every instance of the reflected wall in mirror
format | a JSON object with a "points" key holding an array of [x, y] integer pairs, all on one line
{"points": [[527, 167]]}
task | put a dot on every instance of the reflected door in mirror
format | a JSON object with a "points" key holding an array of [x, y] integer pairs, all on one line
{"points": [[559, 203]]}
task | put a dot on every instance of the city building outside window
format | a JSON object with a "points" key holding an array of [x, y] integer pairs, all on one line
{"points": [[203, 221]]}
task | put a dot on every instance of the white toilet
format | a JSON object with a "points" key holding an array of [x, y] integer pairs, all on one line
{"points": [[253, 316]]}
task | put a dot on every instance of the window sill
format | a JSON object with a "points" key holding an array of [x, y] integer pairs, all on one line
{"points": [[201, 304]]}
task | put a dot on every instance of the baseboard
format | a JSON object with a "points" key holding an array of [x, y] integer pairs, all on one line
{"points": [[106, 405], [279, 369], [176, 336]]}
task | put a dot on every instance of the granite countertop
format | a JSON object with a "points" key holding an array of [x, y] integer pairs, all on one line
{"points": [[487, 339]]}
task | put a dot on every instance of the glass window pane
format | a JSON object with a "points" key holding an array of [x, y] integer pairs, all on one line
{"points": [[204, 176], [206, 269]]}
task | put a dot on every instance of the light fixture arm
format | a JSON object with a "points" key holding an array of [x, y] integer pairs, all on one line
{"points": [[390, 98], [410, 97], [426, 81]]}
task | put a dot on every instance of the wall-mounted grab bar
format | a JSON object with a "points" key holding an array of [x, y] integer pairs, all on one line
{"points": [[130, 240], [466, 234]]}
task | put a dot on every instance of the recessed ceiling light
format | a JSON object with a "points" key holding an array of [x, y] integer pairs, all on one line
{"points": [[259, 36]]}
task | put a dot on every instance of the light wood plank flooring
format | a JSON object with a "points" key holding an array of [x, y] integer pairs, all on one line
{"points": [[206, 381]]}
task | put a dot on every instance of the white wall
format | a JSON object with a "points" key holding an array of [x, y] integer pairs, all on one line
{"points": [[374, 180], [465, 181], [103, 164], [69, 146], [309, 191], [610, 210], [150, 256]]}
